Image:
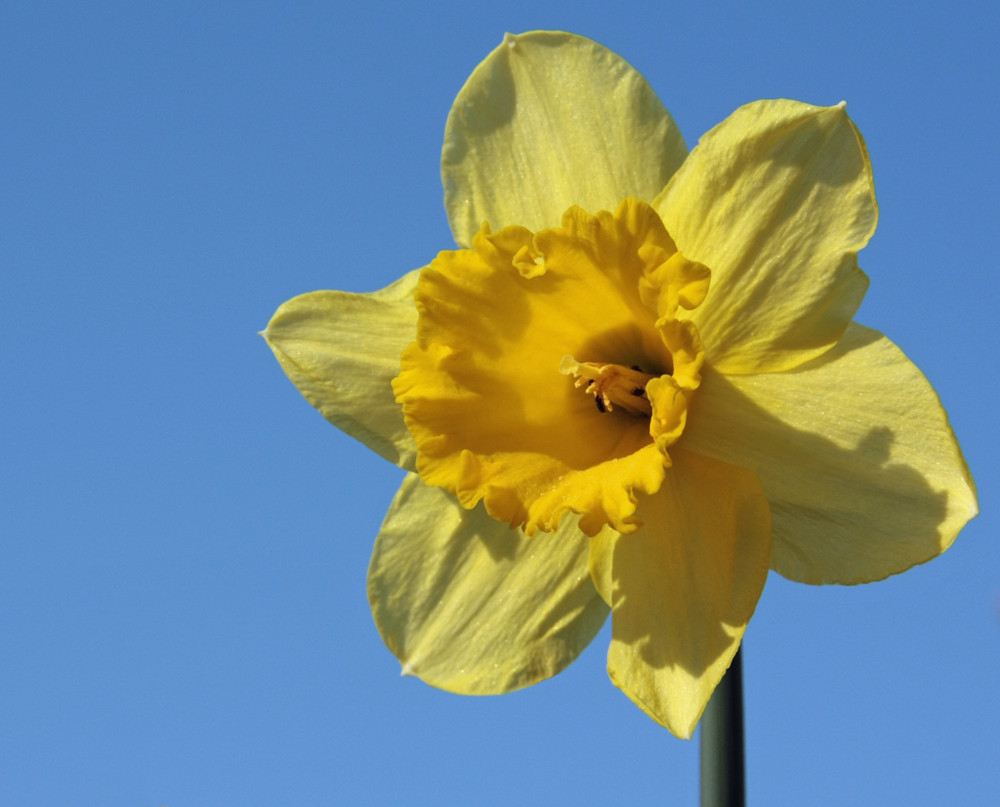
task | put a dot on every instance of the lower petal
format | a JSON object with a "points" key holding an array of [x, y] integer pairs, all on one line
{"points": [[471, 606], [685, 586], [862, 470]]}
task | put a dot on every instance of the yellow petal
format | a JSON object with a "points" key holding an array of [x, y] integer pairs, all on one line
{"points": [[482, 392], [473, 607], [550, 120], [342, 351], [685, 586], [856, 456], [776, 200]]}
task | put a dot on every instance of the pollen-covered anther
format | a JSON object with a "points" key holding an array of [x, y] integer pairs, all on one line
{"points": [[611, 385]]}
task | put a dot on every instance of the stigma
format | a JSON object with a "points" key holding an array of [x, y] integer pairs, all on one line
{"points": [[612, 385]]}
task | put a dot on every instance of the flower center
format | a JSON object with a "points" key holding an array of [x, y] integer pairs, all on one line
{"points": [[611, 385], [492, 419]]}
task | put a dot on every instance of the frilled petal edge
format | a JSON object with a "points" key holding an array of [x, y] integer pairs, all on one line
{"points": [[485, 390], [342, 351], [472, 606], [861, 467]]}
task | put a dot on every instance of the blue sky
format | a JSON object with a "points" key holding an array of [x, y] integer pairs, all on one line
{"points": [[184, 540]]}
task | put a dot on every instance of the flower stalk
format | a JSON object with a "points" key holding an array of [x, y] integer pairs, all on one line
{"points": [[722, 765]]}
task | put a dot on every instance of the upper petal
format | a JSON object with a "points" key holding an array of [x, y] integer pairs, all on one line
{"points": [[472, 606], [685, 587], [550, 120], [776, 200], [854, 451], [342, 351]]}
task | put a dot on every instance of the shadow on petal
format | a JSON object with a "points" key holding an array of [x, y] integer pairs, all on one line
{"points": [[855, 454], [685, 586]]}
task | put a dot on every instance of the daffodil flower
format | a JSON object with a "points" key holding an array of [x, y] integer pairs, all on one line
{"points": [[634, 388]]}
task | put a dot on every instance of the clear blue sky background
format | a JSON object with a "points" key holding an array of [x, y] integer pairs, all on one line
{"points": [[183, 618]]}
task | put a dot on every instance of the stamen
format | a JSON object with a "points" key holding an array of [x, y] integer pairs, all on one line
{"points": [[611, 385]]}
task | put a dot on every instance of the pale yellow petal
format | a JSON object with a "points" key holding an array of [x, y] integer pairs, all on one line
{"points": [[864, 475], [342, 351], [685, 587], [602, 550], [550, 120], [776, 200], [474, 607]]}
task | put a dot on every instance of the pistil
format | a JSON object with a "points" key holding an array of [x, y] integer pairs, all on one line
{"points": [[611, 384]]}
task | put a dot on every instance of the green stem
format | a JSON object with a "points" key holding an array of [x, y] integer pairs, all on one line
{"points": [[722, 772]]}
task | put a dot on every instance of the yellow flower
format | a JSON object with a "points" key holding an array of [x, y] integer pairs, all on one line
{"points": [[645, 363]]}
